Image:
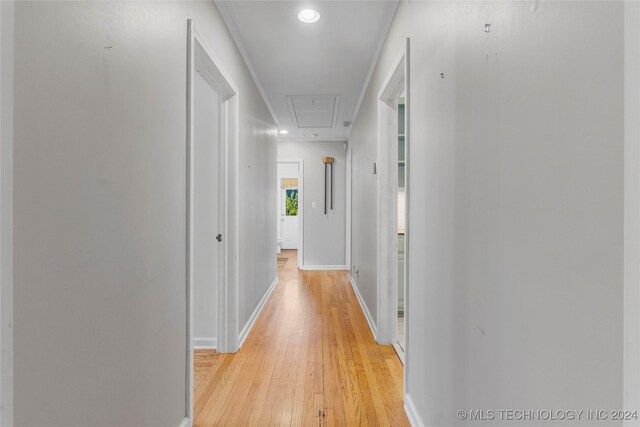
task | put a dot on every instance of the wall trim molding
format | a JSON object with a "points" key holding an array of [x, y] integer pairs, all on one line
{"points": [[348, 215], [324, 267], [185, 422], [365, 309], [412, 412], [254, 316], [204, 343]]}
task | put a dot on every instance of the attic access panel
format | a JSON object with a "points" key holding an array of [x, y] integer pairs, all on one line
{"points": [[314, 111]]}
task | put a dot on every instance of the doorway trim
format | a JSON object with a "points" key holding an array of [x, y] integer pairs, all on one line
{"points": [[348, 219], [300, 163], [201, 58], [396, 82]]}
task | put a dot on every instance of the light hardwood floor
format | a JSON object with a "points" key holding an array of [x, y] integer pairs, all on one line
{"points": [[310, 360]]}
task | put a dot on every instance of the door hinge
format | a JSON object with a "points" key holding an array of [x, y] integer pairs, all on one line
{"points": [[219, 237]]}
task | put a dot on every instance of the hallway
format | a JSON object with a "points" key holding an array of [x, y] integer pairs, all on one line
{"points": [[462, 180], [309, 361]]}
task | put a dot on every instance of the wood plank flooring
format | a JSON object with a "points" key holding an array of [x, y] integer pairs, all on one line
{"points": [[310, 360]]}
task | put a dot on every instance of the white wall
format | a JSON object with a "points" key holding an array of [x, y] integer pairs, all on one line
{"points": [[206, 220], [515, 277], [324, 235], [6, 211], [99, 193]]}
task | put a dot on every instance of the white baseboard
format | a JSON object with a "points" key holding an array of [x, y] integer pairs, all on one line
{"points": [[254, 316], [324, 267], [205, 343], [185, 423], [365, 309], [399, 351], [412, 412]]}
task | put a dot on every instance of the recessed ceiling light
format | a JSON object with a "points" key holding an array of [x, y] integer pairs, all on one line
{"points": [[309, 16], [284, 132]]}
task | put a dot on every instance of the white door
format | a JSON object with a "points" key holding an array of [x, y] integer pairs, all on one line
{"points": [[288, 195], [206, 213]]}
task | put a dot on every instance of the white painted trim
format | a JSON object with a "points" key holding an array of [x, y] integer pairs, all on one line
{"points": [[6, 212], [394, 77], [348, 214], [407, 206], [256, 312], [631, 328], [399, 351], [365, 309], [300, 163], [235, 35], [209, 66], [185, 422], [372, 68], [301, 212], [324, 267], [200, 343], [189, 229], [412, 413], [398, 80], [394, 84]]}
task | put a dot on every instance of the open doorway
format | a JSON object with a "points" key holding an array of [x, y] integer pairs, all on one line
{"points": [[393, 169], [290, 211], [212, 144]]}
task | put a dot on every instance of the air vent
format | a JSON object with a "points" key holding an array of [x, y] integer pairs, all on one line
{"points": [[319, 111]]}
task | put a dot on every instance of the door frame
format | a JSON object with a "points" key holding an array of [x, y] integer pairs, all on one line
{"points": [[348, 219], [396, 82], [300, 163], [200, 57]]}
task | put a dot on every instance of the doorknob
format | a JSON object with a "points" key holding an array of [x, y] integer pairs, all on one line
{"points": [[219, 237]]}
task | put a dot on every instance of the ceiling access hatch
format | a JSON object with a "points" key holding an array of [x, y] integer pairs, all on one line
{"points": [[319, 111]]}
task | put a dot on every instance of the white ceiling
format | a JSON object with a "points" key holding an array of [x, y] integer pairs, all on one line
{"points": [[325, 64]]}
